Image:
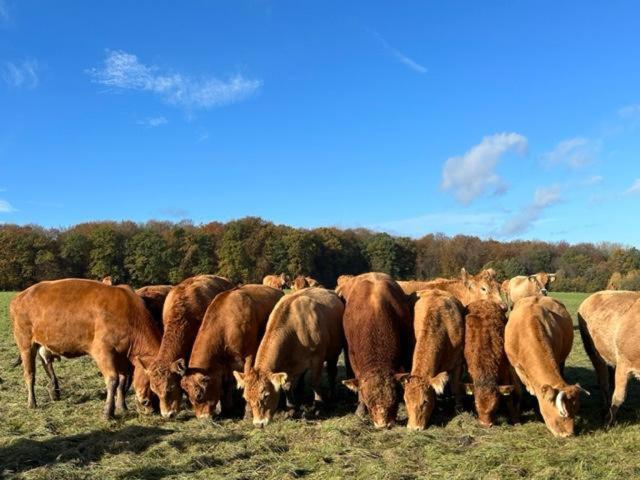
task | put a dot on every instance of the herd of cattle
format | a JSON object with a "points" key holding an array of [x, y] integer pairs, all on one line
{"points": [[206, 337]]}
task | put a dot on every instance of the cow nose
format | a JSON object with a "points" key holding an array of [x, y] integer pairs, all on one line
{"points": [[543, 291], [415, 428], [169, 414], [260, 423], [503, 307]]}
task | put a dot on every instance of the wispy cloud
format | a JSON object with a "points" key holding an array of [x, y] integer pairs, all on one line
{"points": [[123, 71], [574, 152], [6, 207], [399, 56], [153, 121], [634, 189], [472, 174], [544, 197], [21, 74], [629, 111]]}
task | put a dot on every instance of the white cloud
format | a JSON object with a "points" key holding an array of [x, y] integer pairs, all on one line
{"points": [[122, 70], [543, 198], [473, 173], [629, 111], [153, 121], [634, 189], [6, 207], [574, 152], [21, 74], [399, 56]]}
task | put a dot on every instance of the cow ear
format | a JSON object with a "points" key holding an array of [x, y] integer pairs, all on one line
{"points": [[179, 367], [239, 379], [352, 384], [468, 388], [439, 381], [506, 390], [580, 389], [464, 275], [531, 277], [278, 380], [549, 393], [402, 378], [552, 277]]}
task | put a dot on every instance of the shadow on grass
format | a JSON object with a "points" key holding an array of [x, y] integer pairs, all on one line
{"points": [[81, 449]]}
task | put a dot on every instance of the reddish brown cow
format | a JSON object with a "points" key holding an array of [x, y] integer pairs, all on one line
{"points": [[538, 339], [303, 331], [182, 315], [75, 317], [378, 329], [154, 297], [230, 333], [299, 283], [439, 331], [276, 281], [487, 362]]}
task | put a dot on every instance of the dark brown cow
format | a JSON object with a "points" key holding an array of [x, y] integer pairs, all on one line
{"points": [[439, 331], [75, 317], [230, 333], [378, 329], [487, 362], [154, 297], [182, 315], [538, 339]]}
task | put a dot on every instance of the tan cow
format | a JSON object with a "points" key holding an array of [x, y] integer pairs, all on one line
{"points": [[182, 315], [312, 282], [538, 339], [342, 279], [277, 281], [303, 331], [230, 333], [299, 283], [154, 297], [468, 288], [439, 331], [75, 317], [525, 286], [609, 328]]}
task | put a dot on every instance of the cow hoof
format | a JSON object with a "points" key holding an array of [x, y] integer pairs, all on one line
{"points": [[31, 405]]}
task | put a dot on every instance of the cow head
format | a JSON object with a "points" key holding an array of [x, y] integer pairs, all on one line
{"points": [[165, 383], [203, 390], [559, 406], [487, 399], [482, 286], [544, 279], [299, 283], [261, 392], [284, 281], [377, 390], [420, 397], [141, 386], [537, 284]]}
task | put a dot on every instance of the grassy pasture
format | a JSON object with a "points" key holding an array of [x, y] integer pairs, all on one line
{"points": [[68, 439]]}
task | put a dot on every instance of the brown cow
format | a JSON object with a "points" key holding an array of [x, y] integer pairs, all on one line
{"points": [[154, 297], [182, 315], [230, 332], [609, 328], [538, 339], [277, 281], [525, 286], [342, 279], [378, 329], [439, 332], [487, 362], [75, 317], [299, 283], [303, 331], [468, 288], [107, 280], [312, 282]]}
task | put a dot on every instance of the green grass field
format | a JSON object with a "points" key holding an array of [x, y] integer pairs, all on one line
{"points": [[68, 439]]}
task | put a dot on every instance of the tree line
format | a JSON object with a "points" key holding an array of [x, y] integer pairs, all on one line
{"points": [[247, 249]]}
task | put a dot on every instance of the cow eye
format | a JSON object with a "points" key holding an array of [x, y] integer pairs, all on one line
{"points": [[484, 289], [145, 402]]}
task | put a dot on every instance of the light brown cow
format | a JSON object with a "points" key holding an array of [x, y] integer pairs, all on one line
{"points": [[154, 297], [439, 331], [342, 279], [107, 280], [468, 288], [487, 362], [526, 286], [538, 339], [609, 328], [75, 317], [303, 331], [182, 315], [379, 333], [312, 282], [230, 333], [277, 281], [299, 283]]}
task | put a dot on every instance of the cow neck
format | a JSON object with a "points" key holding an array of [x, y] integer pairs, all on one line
{"points": [[177, 338], [544, 369], [427, 354], [274, 350], [146, 338], [209, 347], [454, 287]]}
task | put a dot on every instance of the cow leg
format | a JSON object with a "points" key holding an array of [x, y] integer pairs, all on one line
{"points": [[121, 392], [605, 376], [458, 391], [28, 357], [289, 395], [619, 394], [316, 379], [332, 374], [47, 362], [108, 365], [227, 399]]}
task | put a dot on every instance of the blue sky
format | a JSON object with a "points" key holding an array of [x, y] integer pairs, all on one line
{"points": [[498, 119]]}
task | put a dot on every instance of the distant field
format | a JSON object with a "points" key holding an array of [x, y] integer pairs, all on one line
{"points": [[68, 439]]}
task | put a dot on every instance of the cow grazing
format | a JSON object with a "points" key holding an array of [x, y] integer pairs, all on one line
{"points": [[378, 329], [230, 333], [538, 339], [439, 332], [182, 315], [303, 331], [609, 328], [154, 297], [486, 360], [299, 283], [526, 286], [75, 317], [281, 281], [468, 288]]}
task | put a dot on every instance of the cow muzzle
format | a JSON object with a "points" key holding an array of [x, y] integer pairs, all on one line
{"points": [[169, 414], [260, 423]]}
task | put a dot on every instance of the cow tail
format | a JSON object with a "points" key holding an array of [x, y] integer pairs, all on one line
{"points": [[587, 341]]}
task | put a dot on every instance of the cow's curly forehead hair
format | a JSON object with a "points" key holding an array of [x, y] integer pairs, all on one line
{"points": [[379, 388], [256, 383]]}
